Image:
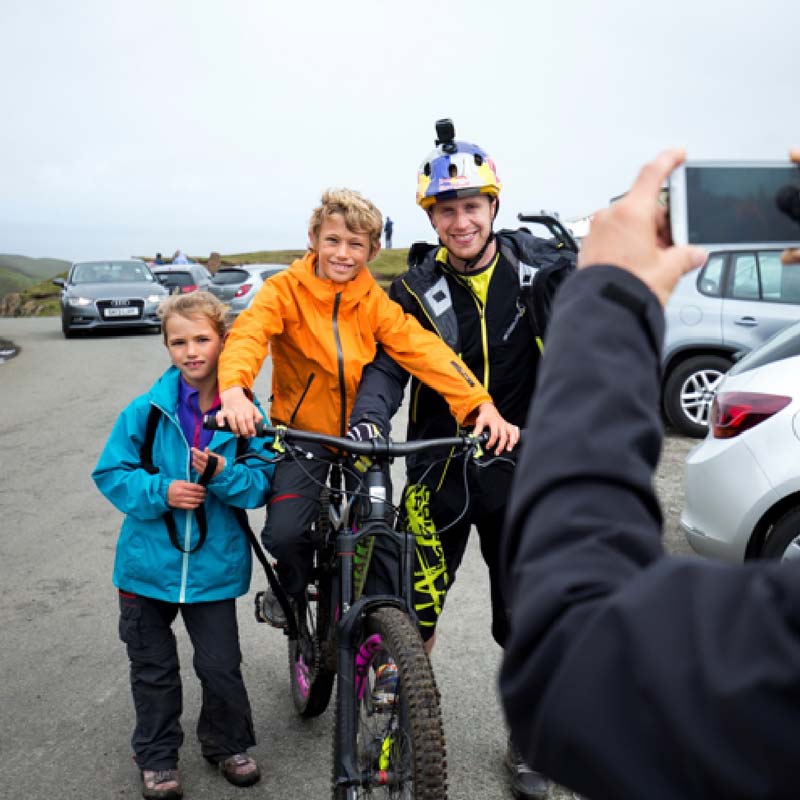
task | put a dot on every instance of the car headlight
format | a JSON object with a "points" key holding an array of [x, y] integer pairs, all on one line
{"points": [[79, 301], [155, 298]]}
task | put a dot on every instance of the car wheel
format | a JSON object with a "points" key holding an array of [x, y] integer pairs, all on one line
{"points": [[783, 541], [66, 330], [689, 391]]}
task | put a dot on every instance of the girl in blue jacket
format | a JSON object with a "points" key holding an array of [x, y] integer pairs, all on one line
{"points": [[181, 548]]}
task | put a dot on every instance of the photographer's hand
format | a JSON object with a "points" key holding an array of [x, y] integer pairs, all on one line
{"points": [[792, 255], [634, 233]]}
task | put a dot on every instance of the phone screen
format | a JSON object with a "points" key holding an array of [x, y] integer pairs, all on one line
{"points": [[727, 204]]}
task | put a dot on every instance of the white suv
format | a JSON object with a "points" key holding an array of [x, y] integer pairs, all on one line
{"points": [[736, 301]]}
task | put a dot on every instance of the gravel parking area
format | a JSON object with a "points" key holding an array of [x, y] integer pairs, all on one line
{"points": [[669, 487]]}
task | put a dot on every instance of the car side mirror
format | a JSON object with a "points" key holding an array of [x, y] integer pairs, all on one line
{"points": [[60, 282]]}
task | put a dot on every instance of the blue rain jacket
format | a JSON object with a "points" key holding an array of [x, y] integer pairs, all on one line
{"points": [[146, 562]]}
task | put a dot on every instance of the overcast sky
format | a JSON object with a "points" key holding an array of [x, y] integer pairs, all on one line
{"points": [[130, 128]]}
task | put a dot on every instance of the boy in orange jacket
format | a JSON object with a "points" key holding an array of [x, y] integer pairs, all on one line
{"points": [[322, 320]]}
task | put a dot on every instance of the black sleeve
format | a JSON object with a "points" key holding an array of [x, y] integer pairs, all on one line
{"points": [[383, 383], [628, 674]]}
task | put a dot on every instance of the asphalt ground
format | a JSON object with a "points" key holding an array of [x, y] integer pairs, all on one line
{"points": [[66, 708]]}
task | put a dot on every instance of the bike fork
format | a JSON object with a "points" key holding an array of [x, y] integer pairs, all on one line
{"points": [[355, 658]]}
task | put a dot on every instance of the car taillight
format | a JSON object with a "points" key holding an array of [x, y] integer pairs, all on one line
{"points": [[735, 412], [243, 289], [190, 288]]}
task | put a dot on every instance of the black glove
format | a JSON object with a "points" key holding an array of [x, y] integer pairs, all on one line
{"points": [[363, 432]]}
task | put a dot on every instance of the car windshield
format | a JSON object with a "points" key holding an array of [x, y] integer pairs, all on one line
{"points": [[111, 272], [176, 278], [784, 344], [228, 276]]}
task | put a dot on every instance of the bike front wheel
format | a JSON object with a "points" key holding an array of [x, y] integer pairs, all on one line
{"points": [[399, 747]]}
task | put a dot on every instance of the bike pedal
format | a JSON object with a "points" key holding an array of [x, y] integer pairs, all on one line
{"points": [[259, 607]]}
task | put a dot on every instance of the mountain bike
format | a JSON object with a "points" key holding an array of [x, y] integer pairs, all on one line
{"points": [[379, 750]]}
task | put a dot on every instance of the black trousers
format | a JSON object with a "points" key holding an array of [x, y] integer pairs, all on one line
{"points": [[431, 510], [293, 508], [225, 725]]}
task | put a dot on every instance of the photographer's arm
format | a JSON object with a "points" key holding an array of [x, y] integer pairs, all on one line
{"points": [[628, 674]]}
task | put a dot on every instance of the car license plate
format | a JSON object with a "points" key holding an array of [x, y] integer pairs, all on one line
{"points": [[121, 312]]}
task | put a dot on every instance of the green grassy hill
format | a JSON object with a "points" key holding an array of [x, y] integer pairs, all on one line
{"points": [[36, 268], [18, 273], [386, 266], [11, 281]]}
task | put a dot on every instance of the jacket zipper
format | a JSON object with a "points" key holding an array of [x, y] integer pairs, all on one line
{"points": [[513, 326], [340, 360], [484, 333], [302, 397], [187, 531]]}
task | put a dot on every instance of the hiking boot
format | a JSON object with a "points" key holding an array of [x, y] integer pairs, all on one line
{"points": [[240, 769], [269, 610], [161, 784], [525, 783], [384, 690]]}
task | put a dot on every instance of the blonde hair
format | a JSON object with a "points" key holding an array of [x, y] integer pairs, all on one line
{"points": [[192, 305], [360, 215]]}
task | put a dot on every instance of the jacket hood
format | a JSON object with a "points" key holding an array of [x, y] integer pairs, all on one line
{"points": [[304, 270]]}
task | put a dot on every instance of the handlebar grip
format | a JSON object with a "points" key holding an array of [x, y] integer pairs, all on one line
{"points": [[210, 424]]}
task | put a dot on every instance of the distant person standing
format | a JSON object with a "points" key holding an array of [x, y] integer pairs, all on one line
{"points": [[159, 259], [387, 231], [214, 262], [180, 257]]}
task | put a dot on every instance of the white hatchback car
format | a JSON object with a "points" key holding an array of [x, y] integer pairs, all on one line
{"points": [[742, 483]]}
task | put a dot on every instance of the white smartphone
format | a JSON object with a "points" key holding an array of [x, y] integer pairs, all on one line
{"points": [[714, 203]]}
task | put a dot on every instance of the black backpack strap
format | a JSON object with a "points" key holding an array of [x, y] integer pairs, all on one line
{"points": [[272, 578], [146, 462], [146, 454], [418, 251], [199, 512]]}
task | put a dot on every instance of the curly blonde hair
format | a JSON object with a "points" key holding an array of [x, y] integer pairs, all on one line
{"points": [[360, 215], [192, 305]]}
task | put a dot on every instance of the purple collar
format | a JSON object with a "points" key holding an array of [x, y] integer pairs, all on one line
{"points": [[191, 417]]}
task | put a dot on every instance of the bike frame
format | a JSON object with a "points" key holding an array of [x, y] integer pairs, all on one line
{"points": [[350, 528]]}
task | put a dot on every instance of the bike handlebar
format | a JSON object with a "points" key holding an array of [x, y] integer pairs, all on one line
{"points": [[373, 447]]}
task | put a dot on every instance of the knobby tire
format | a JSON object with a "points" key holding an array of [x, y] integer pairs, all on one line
{"points": [[417, 713]]}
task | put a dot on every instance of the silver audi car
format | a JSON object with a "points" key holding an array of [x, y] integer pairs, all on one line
{"points": [[109, 294]]}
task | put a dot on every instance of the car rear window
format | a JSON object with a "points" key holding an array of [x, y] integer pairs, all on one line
{"points": [[268, 273], [784, 344], [225, 277], [176, 278]]}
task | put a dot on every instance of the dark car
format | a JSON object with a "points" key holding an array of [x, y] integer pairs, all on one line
{"points": [[183, 278], [109, 294], [237, 286]]}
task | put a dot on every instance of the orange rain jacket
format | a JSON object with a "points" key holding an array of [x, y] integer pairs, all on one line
{"points": [[322, 335]]}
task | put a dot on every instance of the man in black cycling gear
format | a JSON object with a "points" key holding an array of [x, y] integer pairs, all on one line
{"points": [[476, 290]]}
